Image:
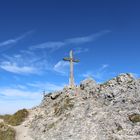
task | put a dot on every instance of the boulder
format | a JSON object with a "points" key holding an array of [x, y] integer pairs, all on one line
{"points": [[88, 84]]}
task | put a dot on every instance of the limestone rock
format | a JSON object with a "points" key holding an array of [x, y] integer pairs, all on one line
{"points": [[88, 85], [91, 111]]}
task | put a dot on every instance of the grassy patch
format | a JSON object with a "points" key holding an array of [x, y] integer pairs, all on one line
{"points": [[15, 119], [6, 132], [134, 118]]}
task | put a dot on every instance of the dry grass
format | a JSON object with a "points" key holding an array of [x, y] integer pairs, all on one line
{"points": [[15, 119], [6, 132], [60, 107]]}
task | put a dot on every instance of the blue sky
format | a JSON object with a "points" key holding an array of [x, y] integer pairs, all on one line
{"points": [[36, 35]]}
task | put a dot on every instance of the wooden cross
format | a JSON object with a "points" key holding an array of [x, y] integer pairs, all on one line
{"points": [[71, 60]]}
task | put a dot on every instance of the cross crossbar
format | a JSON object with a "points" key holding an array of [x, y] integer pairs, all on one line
{"points": [[70, 59]]}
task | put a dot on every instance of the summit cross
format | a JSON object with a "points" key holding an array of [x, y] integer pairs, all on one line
{"points": [[71, 60]]}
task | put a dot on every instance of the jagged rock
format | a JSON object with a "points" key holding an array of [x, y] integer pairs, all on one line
{"points": [[108, 111], [89, 85]]}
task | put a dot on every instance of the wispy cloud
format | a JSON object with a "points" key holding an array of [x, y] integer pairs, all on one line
{"points": [[15, 93], [31, 62], [100, 74], [46, 86], [80, 50], [75, 41], [14, 40], [28, 91], [24, 63], [15, 68], [104, 66], [86, 39], [10, 41], [49, 45], [15, 98], [61, 67]]}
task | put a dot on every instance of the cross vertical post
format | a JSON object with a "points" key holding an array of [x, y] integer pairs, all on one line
{"points": [[71, 80], [71, 60]]}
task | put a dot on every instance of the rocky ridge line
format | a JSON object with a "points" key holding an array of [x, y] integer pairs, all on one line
{"points": [[108, 111]]}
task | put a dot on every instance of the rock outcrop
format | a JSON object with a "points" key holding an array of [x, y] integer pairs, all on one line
{"points": [[108, 111]]}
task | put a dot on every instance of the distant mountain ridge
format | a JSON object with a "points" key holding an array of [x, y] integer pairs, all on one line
{"points": [[108, 111]]}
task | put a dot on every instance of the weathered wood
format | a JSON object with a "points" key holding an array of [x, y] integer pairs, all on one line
{"points": [[71, 60]]}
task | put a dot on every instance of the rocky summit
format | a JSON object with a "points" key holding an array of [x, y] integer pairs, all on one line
{"points": [[91, 111]]}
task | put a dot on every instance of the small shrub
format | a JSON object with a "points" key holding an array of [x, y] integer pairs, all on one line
{"points": [[119, 127], [6, 132], [15, 119], [66, 104], [57, 110]]}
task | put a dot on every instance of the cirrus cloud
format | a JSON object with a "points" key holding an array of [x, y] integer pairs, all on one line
{"points": [[55, 45], [14, 68]]}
